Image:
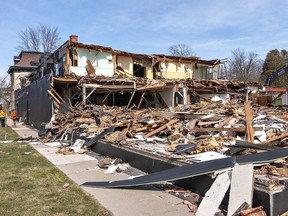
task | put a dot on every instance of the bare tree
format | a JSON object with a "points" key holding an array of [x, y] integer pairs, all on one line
{"points": [[182, 50], [5, 92], [244, 66], [41, 39]]}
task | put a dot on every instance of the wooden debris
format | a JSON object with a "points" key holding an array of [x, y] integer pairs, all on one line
{"points": [[237, 129], [258, 211], [191, 206], [275, 138], [171, 122], [249, 119], [180, 125], [90, 69]]}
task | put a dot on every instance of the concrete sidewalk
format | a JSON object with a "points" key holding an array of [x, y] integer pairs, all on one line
{"points": [[144, 200]]}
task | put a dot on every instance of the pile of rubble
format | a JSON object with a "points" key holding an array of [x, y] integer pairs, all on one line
{"points": [[183, 131], [202, 131]]}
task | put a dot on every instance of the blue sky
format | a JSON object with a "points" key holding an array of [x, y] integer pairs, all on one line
{"points": [[212, 28]]}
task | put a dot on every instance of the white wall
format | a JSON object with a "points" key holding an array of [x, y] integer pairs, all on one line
{"points": [[168, 96], [101, 61]]}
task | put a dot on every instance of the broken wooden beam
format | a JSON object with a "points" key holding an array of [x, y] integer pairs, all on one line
{"points": [[90, 69], [239, 129], [275, 138], [249, 119], [222, 124], [171, 122]]}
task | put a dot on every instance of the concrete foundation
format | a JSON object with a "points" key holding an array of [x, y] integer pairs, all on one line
{"points": [[274, 202]]}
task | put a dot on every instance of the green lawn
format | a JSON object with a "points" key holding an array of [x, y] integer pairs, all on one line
{"points": [[30, 185], [8, 133]]}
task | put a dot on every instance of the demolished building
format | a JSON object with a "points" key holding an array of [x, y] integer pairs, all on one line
{"points": [[94, 74], [154, 111]]}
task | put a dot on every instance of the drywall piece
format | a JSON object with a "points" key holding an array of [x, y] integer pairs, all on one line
{"points": [[214, 196], [241, 187], [206, 156]]}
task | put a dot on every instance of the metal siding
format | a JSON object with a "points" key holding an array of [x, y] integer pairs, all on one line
{"points": [[40, 105]]}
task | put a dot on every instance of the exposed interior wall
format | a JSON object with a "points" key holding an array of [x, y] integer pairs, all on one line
{"points": [[149, 73], [215, 71], [167, 95], [101, 61], [170, 70], [17, 76], [200, 73], [126, 63]]}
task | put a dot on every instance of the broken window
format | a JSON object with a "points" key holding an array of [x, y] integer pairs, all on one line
{"points": [[138, 70]]}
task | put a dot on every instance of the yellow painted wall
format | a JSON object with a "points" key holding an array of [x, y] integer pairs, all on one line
{"points": [[16, 83], [176, 70], [149, 73], [127, 64]]}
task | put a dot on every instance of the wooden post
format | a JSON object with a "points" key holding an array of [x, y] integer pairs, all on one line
{"points": [[160, 128], [131, 99], [143, 94], [84, 94], [249, 120]]}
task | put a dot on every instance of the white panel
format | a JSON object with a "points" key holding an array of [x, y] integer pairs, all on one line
{"points": [[214, 196], [101, 61], [241, 187], [167, 96], [79, 71]]}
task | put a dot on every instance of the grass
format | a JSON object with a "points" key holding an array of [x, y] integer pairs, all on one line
{"points": [[30, 185], [10, 134]]}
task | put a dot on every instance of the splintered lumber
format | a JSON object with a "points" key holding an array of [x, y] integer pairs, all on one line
{"points": [[90, 69], [210, 106], [55, 92], [192, 124], [279, 119], [171, 122], [85, 120], [214, 196], [241, 189], [141, 99], [275, 138], [202, 97], [222, 124], [146, 128], [249, 120], [54, 97], [239, 129]]}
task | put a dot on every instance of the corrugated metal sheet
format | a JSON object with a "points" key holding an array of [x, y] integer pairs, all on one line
{"points": [[34, 105]]}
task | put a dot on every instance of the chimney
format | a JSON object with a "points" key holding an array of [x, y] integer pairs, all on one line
{"points": [[16, 59], [74, 38]]}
